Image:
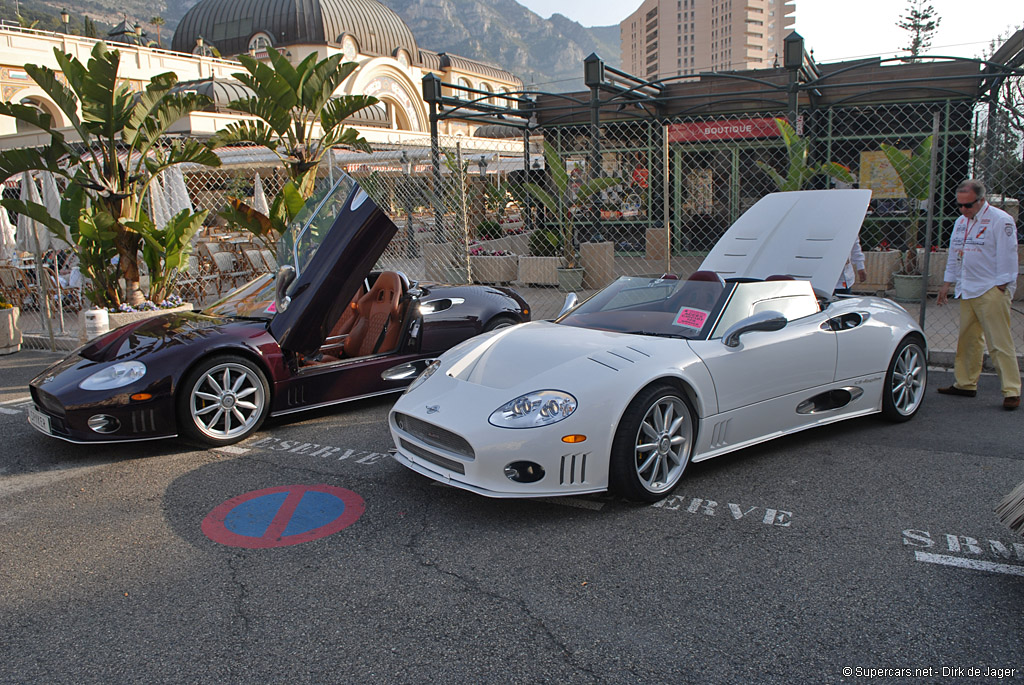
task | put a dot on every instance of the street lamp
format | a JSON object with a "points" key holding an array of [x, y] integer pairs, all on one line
{"points": [[65, 18]]}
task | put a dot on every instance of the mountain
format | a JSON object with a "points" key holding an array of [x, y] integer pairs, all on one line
{"points": [[546, 53]]}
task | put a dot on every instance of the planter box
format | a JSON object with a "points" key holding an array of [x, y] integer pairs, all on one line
{"points": [[880, 267], [125, 318], [657, 243], [539, 270], [936, 268], [494, 268], [10, 331], [598, 262], [516, 244]]}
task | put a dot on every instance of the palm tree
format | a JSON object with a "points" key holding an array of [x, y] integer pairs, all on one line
{"points": [[799, 171], [914, 171], [158, 22], [297, 116], [559, 205], [110, 171]]}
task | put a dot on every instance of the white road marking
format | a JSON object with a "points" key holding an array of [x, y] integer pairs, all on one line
{"points": [[18, 400], [5, 410], [231, 449], [974, 564]]}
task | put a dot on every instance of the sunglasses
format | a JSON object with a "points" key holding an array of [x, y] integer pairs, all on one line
{"points": [[964, 205]]}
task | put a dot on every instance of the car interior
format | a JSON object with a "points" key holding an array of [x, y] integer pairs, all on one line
{"points": [[371, 324]]}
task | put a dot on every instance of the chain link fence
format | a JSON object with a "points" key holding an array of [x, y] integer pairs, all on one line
{"points": [[488, 210]]}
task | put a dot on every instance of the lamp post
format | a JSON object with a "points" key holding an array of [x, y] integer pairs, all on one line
{"points": [[65, 18]]}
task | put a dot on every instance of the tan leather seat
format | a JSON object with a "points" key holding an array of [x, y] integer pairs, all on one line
{"points": [[377, 326]]}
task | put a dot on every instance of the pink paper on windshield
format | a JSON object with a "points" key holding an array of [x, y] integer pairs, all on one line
{"points": [[272, 309], [691, 318]]}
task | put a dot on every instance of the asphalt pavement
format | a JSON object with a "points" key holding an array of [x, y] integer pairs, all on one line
{"points": [[865, 551]]}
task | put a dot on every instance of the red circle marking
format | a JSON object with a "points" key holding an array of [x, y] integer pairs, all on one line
{"points": [[213, 525]]}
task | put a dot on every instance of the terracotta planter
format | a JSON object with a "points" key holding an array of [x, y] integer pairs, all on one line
{"points": [[598, 262], [10, 331], [539, 270], [493, 268]]}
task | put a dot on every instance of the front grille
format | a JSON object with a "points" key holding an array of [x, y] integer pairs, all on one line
{"points": [[435, 459], [47, 401], [435, 436]]}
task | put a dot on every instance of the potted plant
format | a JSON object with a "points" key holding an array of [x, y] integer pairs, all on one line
{"points": [[558, 206], [914, 170], [540, 267], [10, 332]]}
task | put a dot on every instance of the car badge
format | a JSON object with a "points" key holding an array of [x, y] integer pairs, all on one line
{"points": [[48, 379], [433, 408]]}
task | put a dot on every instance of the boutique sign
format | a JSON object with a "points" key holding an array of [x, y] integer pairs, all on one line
{"points": [[730, 129]]}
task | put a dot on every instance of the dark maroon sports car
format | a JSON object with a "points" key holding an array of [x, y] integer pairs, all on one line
{"points": [[325, 329]]}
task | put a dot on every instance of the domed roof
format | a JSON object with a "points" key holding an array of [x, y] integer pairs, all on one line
{"points": [[228, 25]]}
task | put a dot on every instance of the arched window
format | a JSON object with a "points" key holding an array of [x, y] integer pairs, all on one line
{"points": [[259, 43], [486, 87]]}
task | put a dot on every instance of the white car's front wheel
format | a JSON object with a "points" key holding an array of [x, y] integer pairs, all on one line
{"points": [[905, 381], [652, 445]]}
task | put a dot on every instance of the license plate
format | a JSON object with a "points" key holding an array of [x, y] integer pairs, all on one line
{"points": [[39, 420]]}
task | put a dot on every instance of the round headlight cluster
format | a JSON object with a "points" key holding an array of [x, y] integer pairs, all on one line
{"points": [[539, 408], [114, 376]]}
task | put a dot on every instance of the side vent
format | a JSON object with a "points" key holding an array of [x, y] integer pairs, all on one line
{"points": [[573, 469], [719, 434], [143, 421]]}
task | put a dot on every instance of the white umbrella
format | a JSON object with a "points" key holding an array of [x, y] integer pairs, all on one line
{"points": [[51, 199], [31, 237], [174, 183], [158, 201], [7, 235], [259, 198]]}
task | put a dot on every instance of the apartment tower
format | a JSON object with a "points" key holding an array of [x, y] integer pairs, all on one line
{"points": [[682, 37]]}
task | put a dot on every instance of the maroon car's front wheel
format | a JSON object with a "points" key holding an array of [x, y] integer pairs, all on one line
{"points": [[223, 400]]}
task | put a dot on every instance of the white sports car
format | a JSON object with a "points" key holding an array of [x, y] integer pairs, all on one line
{"points": [[624, 390]]}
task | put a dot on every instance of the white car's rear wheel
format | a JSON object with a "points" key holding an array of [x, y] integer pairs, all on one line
{"points": [[652, 444], [905, 381]]}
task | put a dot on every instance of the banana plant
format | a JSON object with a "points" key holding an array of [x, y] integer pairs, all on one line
{"points": [[109, 172], [800, 172], [295, 115], [558, 205], [914, 171], [166, 249]]}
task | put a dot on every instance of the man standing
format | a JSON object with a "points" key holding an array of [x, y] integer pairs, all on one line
{"points": [[983, 265]]}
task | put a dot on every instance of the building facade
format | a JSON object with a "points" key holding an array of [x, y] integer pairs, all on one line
{"points": [[213, 32], [666, 38]]}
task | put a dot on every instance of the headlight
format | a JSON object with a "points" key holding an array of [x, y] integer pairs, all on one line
{"points": [[114, 376], [540, 408], [427, 373]]}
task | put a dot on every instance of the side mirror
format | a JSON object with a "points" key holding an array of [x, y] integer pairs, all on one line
{"points": [[570, 302], [285, 276], [406, 372], [762, 321]]}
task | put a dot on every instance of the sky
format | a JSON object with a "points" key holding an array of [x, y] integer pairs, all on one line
{"points": [[840, 29]]}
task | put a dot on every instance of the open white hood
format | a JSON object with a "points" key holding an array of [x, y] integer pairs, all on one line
{"points": [[806, 234]]}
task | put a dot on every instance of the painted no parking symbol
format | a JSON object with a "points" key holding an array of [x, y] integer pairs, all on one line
{"points": [[282, 516]]}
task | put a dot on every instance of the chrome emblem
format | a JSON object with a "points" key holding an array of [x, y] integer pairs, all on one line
{"points": [[433, 408]]}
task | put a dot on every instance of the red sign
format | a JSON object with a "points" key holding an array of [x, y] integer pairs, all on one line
{"points": [[726, 129]]}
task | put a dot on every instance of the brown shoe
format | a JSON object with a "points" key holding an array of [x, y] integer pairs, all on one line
{"points": [[1011, 403], [953, 390]]}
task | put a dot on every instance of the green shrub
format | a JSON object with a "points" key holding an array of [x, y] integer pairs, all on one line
{"points": [[545, 243], [488, 229]]}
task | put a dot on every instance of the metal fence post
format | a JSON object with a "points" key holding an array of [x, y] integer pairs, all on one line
{"points": [[930, 220]]}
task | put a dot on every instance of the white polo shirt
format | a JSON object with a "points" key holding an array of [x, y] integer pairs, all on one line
{"points": [[982, 253]]}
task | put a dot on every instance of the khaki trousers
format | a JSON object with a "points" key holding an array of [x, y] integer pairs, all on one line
{"points": [[986, 319]]}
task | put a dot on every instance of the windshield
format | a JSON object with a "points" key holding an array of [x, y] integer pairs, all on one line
{"points": [[652, 306], [312, 224], [255, 299]]}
